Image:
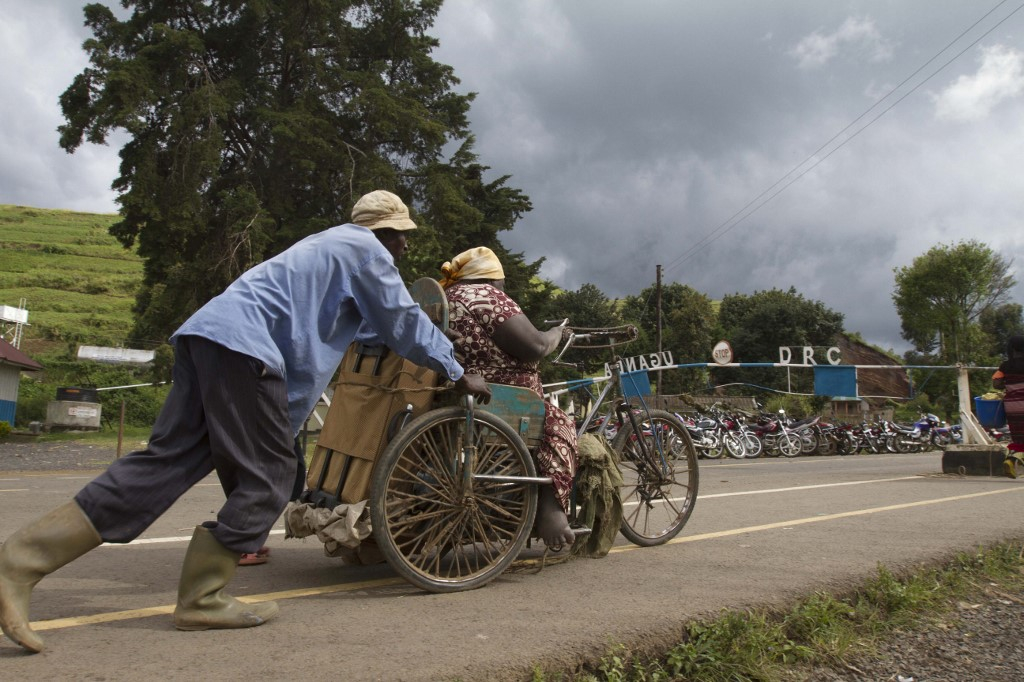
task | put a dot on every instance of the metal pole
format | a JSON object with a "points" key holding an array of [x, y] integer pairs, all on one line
{"points": [[120, 431], [974, 433], [657, 389]]}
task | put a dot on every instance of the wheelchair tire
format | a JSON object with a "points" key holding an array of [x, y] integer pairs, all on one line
{"points": [[436, 531]]}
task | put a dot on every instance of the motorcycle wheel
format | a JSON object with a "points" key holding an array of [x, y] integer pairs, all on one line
{"points": [[752, 446], [733, 445], [790, 444]]}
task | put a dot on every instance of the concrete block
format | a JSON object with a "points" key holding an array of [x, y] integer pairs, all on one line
{"points": [[974, 460]]}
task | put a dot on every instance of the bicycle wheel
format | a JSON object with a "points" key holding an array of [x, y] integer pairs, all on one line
{"points": [[659, 489], [439, 528]]}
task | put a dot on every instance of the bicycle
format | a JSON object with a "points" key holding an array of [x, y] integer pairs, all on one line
{"points": [[659, 466]]}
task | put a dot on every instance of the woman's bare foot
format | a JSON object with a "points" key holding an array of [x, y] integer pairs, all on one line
{"points": [[552, 525]]}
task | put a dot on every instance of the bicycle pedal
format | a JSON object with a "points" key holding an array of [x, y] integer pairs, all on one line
{"points": [[580, 531]]}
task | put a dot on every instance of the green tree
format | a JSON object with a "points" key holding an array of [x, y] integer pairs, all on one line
{"points": [[254, 124], [687, 330], [1000, 323], [943, 294], [586, 308], [758, 325]]}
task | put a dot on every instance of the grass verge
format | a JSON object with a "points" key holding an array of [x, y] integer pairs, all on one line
{"points": [[133, 438], [823, 629], [106, 437]]}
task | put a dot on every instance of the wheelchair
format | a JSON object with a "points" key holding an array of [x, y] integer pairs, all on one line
{"points": [[453, 493]]}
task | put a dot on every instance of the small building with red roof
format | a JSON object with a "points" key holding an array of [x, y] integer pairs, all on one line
{"points": [[12, 363]]}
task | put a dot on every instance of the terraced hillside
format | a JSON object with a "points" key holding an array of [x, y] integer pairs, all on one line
{"points": [[78, 282]]}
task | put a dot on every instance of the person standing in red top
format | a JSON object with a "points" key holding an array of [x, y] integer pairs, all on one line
{"points": [[1010, 378]]}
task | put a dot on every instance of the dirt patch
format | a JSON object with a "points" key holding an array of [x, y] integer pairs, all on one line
{"points": [[31, 455], [979, 640]]}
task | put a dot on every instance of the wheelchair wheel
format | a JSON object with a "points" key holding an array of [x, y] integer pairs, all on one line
{"points": [[660, 486], [439, 527]]}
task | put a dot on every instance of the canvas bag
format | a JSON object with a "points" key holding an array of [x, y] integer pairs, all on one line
{"points": [[376, 391]]}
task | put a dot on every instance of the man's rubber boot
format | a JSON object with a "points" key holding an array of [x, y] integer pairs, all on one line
{"points": [[34, 551], [202, 603]]}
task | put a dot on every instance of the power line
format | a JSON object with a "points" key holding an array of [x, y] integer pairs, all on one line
{"points": [[743, 213]]}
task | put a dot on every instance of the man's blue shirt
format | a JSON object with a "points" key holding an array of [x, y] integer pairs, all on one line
{"points": [[299, 311]]}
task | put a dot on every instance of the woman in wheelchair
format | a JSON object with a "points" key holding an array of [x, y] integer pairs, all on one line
{"points": [[494, 339]]}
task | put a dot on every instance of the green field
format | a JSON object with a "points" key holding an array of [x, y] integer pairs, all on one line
{"points": [[77, 281]]}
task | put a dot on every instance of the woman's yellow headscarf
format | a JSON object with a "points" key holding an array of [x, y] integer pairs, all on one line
{"points": [[476, 263]]}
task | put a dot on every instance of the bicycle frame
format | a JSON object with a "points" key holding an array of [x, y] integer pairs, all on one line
{"points": [[617, 406]]}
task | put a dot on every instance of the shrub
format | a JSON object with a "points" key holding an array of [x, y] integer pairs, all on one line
{"points": [[5, 429], [33, 396], [796, 406], [142, 404]]}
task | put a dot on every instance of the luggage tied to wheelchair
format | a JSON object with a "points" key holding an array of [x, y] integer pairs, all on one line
{"points": [[376, 393], [598, 482]]}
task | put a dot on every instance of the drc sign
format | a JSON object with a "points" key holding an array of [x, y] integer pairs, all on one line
{"points": [[786, 355]]}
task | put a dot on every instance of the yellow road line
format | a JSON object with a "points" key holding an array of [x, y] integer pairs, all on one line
{"points": [[59, 623], [384, 582]]}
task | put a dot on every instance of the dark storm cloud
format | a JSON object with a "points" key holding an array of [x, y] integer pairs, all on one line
{"points": [[640, 130], [662, 132]]}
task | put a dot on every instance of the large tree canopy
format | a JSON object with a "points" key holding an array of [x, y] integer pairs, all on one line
{"points": [[758, 325], [943, 296], [687, 326], [255, 123]]}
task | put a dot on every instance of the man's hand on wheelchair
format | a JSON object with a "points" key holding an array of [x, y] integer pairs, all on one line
{"points": [[475, 384]]}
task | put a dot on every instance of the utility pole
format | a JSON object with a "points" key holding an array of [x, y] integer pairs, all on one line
{"points": [[657, 390]]}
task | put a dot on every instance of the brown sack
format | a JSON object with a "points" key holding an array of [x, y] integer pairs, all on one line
{"points": [[375, 388]]}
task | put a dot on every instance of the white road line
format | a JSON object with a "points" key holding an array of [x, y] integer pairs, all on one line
{"points": [[156, 541], [781, 490], [805, 487]]}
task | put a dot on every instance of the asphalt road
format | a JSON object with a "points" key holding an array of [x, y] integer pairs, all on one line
{"points": [[763, 533]]}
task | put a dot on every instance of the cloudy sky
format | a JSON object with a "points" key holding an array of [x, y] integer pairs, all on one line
{"points": [[742, 144]]}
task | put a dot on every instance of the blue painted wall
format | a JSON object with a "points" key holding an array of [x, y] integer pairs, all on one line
{"points": [[7, 411]]}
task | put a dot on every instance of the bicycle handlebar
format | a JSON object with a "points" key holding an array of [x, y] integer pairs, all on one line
{"points": [[596, 338]]}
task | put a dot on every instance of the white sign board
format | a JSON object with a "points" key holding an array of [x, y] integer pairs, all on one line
{"points": [[115, 355], [722, 353], [84, 412], [12, 314]]}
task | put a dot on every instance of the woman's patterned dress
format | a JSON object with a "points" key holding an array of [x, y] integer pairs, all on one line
{"points": [[475, 311]]}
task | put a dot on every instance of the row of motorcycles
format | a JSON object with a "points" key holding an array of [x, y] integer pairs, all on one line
{"points": [[717, 433]]}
